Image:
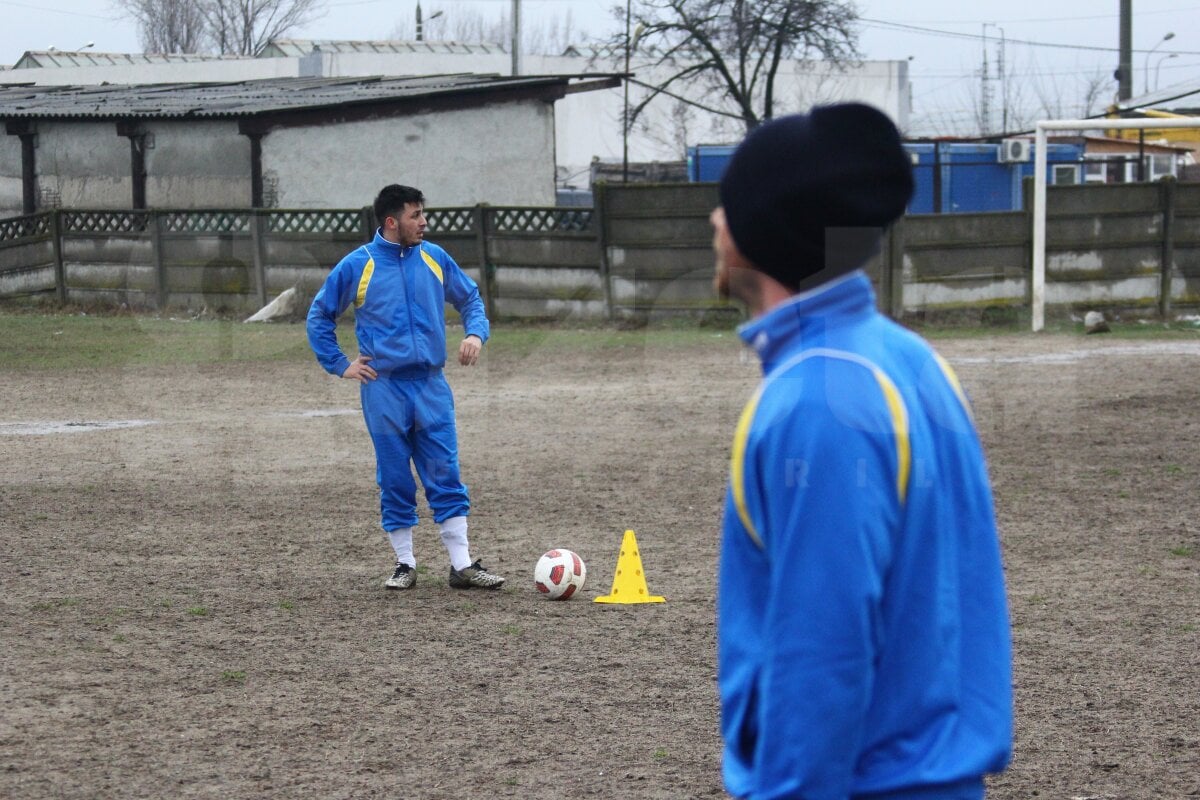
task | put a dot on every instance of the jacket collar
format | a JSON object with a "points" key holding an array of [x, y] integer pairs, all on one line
{"points": [[400, 251], [805, 317]]}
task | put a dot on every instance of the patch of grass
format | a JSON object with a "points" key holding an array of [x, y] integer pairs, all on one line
{"points": [[1187, 627], [1037, 599], [510, 781], [1174, 469], [468, 607], [286, 605], [73, 341], [660, 754], [1111, 472], [119, 638], [511, 630], [1183, 551], [422, 569], [58, 602], [234, 676], [198, 611]]}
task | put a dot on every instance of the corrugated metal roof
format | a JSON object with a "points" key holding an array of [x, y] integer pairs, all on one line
{"points": [[246, 98], [291, 48], [48, 59]]}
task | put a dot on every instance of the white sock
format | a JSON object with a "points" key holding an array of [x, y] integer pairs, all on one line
{"points": [[454, 536], [401, 540]]}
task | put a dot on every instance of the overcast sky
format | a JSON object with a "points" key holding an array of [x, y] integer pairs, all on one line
{"points": [[1054, 53]]}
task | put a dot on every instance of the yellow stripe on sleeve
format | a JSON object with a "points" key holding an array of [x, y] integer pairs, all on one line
{"points": [[368, 271], [899, 415], [948, 371], [432, 263], [737, 466]]}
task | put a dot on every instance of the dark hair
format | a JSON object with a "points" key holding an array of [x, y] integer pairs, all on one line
{"points": [[393, 198]]}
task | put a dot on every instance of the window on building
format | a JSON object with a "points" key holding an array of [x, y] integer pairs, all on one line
{"points": [[1159, 166], [1064, 174], [1095, 171]]}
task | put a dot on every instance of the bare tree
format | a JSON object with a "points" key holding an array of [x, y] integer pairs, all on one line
{"points": [[167, 26], [735, 47], [244, 27]]}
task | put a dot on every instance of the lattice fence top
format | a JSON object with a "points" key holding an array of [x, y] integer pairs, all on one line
{"points": [[450, 220], [539, 220], [103, 221], [16, 228], [299, 221], [314, 221], [204, 221]]}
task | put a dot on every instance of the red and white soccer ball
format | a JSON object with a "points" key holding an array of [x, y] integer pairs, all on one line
{"points": [[559, 574]]}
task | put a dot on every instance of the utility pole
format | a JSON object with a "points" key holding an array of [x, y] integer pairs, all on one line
{"points": [[1003, 83], [516, 37], [625, 114], [1125, 69], [985, 91]]}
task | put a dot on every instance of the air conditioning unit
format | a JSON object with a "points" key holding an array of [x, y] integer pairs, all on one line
{"points": [[1014, 150]]}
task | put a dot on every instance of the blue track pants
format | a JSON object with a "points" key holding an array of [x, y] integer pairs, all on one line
{"points": [[411, 422]]}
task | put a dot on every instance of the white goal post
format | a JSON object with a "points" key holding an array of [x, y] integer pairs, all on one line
{"points": [[1039, 187]]}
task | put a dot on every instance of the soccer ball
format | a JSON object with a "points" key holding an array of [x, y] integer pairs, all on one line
{"points": [[559, 574]]}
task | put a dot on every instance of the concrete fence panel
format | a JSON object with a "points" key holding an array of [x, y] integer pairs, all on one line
{"points": [[642, 249]]}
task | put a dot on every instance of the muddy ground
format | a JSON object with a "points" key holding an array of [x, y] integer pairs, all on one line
{"points": [[194, 607]]}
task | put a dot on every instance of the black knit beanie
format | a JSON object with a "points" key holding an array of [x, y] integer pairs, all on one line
{"points": [[815, 191]]}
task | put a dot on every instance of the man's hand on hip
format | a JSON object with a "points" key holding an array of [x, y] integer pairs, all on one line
{"points": [[359, 370]]}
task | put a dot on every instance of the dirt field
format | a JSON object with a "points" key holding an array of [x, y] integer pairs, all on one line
{"points": [[194, 607]]}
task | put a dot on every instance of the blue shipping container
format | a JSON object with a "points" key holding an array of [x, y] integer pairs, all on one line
{"points": [[973, 178]]}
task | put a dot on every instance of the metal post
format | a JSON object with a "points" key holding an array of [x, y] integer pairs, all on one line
{"points": [[60, 273], [600, 223], [256, 248], [160, 270], [479, 223], [1167, 257], [894, 270], [1038, 277]]}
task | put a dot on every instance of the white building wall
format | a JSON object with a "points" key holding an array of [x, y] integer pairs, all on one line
{"points": [[502, 154], [11, 191], [197, 165], [86, 164], [589, 124]]}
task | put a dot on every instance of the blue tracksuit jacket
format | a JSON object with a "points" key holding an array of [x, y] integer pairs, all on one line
{"points": [[864, 643], [399, 296]]}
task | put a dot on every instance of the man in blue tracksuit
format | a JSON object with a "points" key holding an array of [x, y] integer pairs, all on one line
{"points": [[863, 637], [399, 285]]}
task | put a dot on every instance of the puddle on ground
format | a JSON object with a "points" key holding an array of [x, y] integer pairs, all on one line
{"points": [[74, 426], [320, 412], [1072, 356]]}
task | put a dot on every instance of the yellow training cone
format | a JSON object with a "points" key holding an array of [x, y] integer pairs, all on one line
{"points": [[629, 584]]}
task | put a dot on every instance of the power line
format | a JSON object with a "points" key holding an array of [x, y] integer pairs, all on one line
{"points": [[53, 10], [880, 23]]}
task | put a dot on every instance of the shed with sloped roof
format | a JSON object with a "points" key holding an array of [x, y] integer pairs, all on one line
{"points": [[284, 142]]}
